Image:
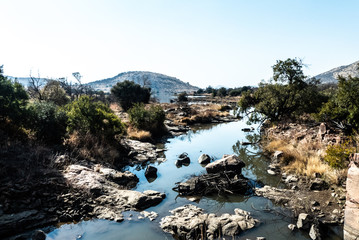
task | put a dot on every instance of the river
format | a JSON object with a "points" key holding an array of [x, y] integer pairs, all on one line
{"points": [[214, 140]]}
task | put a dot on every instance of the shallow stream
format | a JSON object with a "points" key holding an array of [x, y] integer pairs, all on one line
{"points": [[214, 140]]}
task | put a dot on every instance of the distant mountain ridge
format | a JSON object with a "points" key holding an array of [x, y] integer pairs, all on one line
{"points": [[160, 84], [332, 75]]}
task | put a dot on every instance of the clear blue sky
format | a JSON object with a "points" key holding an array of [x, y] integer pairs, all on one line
{"points": [[219, 42]]}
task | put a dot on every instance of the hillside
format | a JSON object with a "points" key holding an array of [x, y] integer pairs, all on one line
{"points": [[345, 71], [160, 84]]}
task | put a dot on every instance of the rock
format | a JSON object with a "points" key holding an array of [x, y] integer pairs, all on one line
{"points": [[38, 235], [61, 161], [291, 179], [188, 221], [291, 227], [314, 233], [151, 172], [229, 163], [303, 221], [314, 203], [261, 238], [206, 184], [351, 223], [279, 196], [204, 159], [271, 172], [11, 223], [277, 155], [246, 129], [150, 215], [122, 178], [318, 184], [322, 131], [183, 159]]}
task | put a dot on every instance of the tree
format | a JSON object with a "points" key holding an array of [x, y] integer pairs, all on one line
{"points": [[53, 92], [150, 119], [222, 92], [13, 100], [343, 107], [182, 97], [288, 97], [128, 93], [87, 116]]}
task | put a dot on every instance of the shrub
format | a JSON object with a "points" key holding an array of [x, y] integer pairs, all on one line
{"points": [[338, 155], [85, 115], [13, 100], [48, 121], [151, 119], [182, 97], [128, 93], [53, 92]]}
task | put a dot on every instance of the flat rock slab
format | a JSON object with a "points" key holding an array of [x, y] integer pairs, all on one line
{"points": [[190, 222], [227, 163]]}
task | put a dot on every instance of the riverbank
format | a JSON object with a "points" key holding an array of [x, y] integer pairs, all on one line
{"points": [[42, 187], [315, 192]]}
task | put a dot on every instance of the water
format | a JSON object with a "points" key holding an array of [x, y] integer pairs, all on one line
{"points": [[214, 140]]}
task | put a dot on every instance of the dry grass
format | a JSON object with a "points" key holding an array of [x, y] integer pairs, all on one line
{"points": [[304, 158], [140, 135], [93, 148]]}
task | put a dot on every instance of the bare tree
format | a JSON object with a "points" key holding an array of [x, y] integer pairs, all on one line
{"points": [[35, 86]]}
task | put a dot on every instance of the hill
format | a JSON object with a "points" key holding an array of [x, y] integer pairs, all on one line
{"points": [[345, 71]]}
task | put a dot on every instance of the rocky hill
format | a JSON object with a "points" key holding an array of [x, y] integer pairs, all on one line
{"points": [[345, 71], [160, 84]]}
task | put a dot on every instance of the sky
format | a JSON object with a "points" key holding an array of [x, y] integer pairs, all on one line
{"points": [[228, 43]]}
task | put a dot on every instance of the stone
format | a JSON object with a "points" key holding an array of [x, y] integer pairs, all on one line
{"points": [[277, 155], [122, 178], [204, 159], [150, 215], [151, 172], [271, 172], [38, 235], [291, 179], [322, 131], [229, 163], [279, 196], [291, 227], [314, 233], [183, 159], [303, 221], [188, 221], [318, 184]]}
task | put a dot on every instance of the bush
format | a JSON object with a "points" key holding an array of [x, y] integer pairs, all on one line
{"points": [[48, 122], [85, 115], [128, 93], [151, 119], [338, 155], [53, 92], [13, 100], [182, 97]]}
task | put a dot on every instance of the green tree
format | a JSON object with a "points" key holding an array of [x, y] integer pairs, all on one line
{"points": [[287, 98], [87, 116], [48, 121], [222, 92], [343, 107], [53, 92], [182, 97], [13, 100], [151, 119], [128, 93]]}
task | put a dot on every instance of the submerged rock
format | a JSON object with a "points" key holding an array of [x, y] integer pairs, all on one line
{"points": [[190, 222], [183, 159]]}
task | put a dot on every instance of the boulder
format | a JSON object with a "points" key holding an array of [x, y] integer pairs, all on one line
{"points": [[151, 172], [38, 235], [204, 159], [318, 184], [183, 159], [190, 222], [351, 223], [229, 163], [279, 196], [122, 178]]}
